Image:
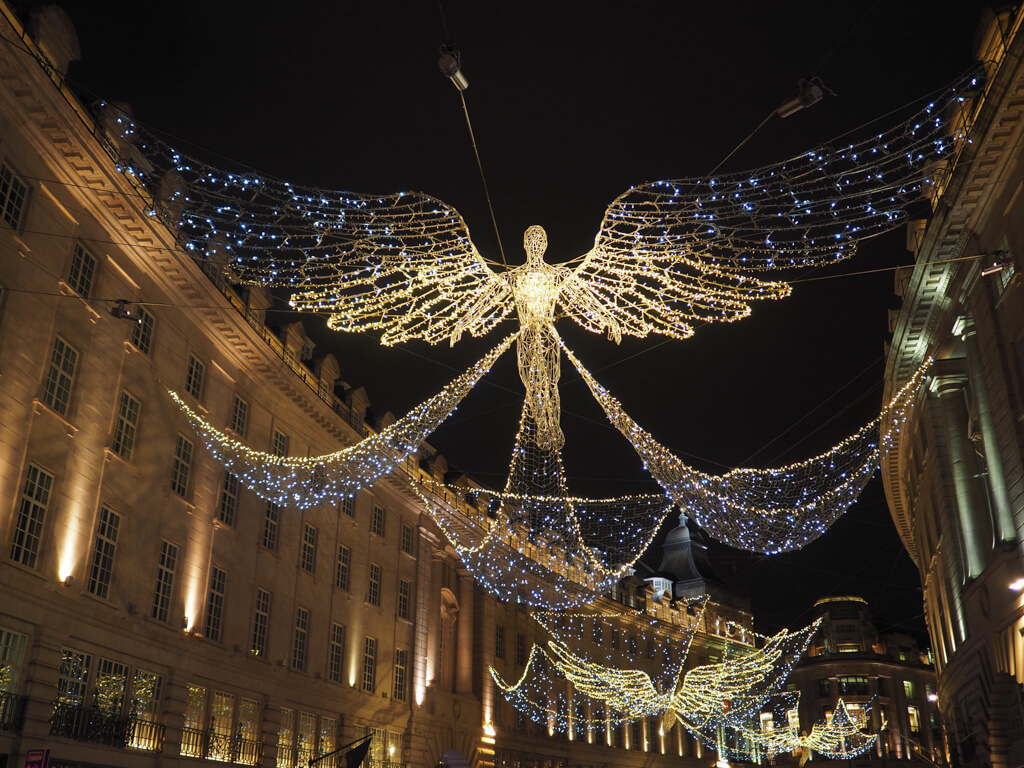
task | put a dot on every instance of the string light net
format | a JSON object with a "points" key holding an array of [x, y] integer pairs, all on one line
{"points": [[563, 689], [302, 482], [545, 696], [765, 510], [533, 542]]}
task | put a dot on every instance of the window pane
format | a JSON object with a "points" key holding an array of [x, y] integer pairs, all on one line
{"points": [[28, 529]]}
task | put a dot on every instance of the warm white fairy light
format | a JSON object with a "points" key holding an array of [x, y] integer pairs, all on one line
{"points": [[564, 688], [767, 510], [536, 543], [668, 254], [308, 481]]}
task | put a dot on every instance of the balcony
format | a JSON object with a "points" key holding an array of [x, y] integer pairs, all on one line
{"points": [[12, 707], [95, 726], [210, 745]]}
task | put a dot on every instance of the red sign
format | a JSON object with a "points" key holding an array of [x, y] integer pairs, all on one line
{"points": [[37, 758]]}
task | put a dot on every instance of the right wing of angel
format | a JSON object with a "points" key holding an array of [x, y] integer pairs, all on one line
{"points": [[402, 264]]}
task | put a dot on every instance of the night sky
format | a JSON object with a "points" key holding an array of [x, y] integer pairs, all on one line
{"points": [[571, 103]]}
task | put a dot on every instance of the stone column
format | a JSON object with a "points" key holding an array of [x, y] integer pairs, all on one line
{"points": [[434, 619], [464, 649], [425, 587], [972, 513], [1001, 506]]}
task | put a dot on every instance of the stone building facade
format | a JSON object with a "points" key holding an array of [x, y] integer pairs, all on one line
{"points": [[152, 610], [955, 481], [887, 675]]}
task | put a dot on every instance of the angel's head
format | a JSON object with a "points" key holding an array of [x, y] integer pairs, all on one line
{"points": [[535, 241]]}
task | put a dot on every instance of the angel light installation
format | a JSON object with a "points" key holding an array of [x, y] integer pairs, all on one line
{"points": [[668, 255]]}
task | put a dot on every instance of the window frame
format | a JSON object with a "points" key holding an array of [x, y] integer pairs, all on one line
{"points": [[82, 270], [126, 425], [30, 522], [163, 591], [59, 383], [104, 550], [13, 215]]}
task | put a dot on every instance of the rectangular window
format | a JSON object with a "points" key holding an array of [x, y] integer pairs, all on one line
{"points": [[793, 719], [279, 446], [308, 558], [12, 659], [499, 642], [228, 504], [127, 423], [248, 722], [222, 713], [914, 719], [328, 729], [83, 269], [342, 567], [855, 686], [215, 603], [404, 599], [239, 416], [164, 581], [377, 524], [636, 736], [373, 590], [286, 739], [348, 506], [271, 523], [407, 540], [28, 530], [13, 193], [101, 567], [60, 375], [260, 623], [71, 679], [767, 722], [194, 721], [142, 333], [301, 633], [181, 468], [401, 674], [824, 687], [520, 650], [305, 738], [370, 664], [194, 377], [336, 653], [109, 689], [146, 690], [908, 689]]}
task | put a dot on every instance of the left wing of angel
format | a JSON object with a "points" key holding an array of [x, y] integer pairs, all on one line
{"points": [[625, 690], [401, 263], [673, 252]]}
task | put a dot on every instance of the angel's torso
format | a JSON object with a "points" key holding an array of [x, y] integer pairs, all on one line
{"points": [[536, 288]]}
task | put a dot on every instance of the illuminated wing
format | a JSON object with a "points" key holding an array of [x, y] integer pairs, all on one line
{"points": [[671, 253], [742, 684], [627, 691], [402, 264]]}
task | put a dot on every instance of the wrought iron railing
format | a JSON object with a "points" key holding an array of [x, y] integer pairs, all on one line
{"points": [[12, 707], [97, 726], [224, 748]]}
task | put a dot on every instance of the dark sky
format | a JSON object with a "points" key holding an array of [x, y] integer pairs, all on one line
{"points": [[571, 103]]}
